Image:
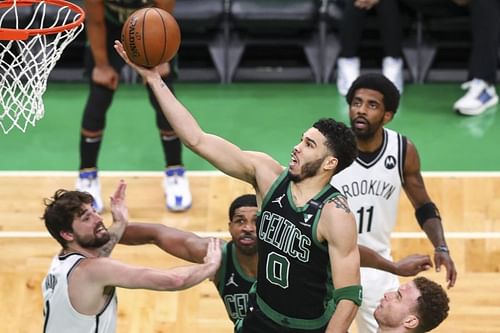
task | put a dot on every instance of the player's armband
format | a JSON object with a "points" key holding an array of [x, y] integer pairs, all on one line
{"points": [[353, 293], [425, 212]]}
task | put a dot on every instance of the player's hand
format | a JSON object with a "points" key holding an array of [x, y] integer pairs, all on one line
{"points": [[214, 255], [365, 4], [162, 69], [119, 209], [413, 264], [106, 76], [444, 259], [143, 71], [119, 212]]}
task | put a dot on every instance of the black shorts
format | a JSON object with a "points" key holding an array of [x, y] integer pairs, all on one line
{"points": [[257, 322]]}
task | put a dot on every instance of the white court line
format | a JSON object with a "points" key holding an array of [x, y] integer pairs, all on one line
{"points": [[40, 173], [224, 234], [194, 173], [395, 235]]}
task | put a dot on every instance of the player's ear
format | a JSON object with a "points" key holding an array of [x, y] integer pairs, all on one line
{"points": [[67, 235], [331, 162], [388, 115], [411, 321]]}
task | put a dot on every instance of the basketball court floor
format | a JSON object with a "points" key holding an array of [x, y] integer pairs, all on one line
{"points": [[459, 155]]}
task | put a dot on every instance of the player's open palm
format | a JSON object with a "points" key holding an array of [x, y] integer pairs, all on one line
{"points": [[214, 255], [119, 209], [143, 71]]}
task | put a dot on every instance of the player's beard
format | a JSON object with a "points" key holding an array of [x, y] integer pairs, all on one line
{"points": [[247, 250], [367, 133], [309, 169], [92, 241]]}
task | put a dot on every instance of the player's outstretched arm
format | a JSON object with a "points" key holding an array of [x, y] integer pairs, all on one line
{"points": [[408, 266], [338, 227], [96, 273], [181, 244], [221, 153], [119, 212], [427, 213]]}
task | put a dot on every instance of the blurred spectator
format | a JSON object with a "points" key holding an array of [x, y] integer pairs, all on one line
{"points": [[351, 29], [485, 24], [103, 22]]}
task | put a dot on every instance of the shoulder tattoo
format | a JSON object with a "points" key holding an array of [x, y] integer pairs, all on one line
{"points": [[341, 202]]}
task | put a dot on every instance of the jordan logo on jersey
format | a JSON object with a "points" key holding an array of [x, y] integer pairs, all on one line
{"points": [[231, 281], [278, 200], [390, 162]]}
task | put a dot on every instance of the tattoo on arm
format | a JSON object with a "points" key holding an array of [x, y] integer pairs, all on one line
{"points": [[341, 202], [106, 249]]}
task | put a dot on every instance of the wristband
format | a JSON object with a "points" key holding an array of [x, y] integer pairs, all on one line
{"points": [[442, 248], [425, 212]]}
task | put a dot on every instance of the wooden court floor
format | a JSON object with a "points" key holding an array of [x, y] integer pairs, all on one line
{"points": [[469, 204]]}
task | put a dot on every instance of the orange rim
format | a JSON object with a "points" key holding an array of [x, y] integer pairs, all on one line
{"points": [[22, 34]]}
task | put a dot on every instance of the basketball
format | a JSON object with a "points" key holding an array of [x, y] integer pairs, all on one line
{"points": [[150, 36]]}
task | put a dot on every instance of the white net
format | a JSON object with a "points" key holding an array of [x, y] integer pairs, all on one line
{"points": [[25, 65]]}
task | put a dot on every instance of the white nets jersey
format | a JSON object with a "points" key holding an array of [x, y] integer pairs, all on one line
{"points": [[372, 186], [60, 316]]}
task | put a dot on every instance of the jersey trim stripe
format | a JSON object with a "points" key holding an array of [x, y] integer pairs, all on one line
{"points": [[385, 141], [47, 315]]}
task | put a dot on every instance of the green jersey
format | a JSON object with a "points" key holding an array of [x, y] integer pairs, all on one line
{"points": [[233, 284], [294, 284]]}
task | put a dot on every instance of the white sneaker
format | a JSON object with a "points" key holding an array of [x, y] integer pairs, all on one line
{"points": [[176, 187], [88, 181], [392, 68], [478, 98], [347, 73]]}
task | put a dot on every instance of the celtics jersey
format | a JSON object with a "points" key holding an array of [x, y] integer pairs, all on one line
{"points": [[372, 187], [233, 284], [60, 316], [294, 284], [117, 11]]}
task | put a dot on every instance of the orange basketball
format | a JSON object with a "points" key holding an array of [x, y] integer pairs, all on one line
{"points": [[150, 36]]}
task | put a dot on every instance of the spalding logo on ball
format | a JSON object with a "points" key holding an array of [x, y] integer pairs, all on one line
{"points": [[150, 36]]}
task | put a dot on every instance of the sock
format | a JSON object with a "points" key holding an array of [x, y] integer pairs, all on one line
{"points": [[172, 150], [89, 150]]}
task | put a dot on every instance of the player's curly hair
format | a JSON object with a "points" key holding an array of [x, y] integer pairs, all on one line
{"points": [[61, 210], [340, 141], [377, 82], [432, 305], [245, 200]]}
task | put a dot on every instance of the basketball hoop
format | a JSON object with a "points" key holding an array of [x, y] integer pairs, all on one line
{"points": [[33, 36]]}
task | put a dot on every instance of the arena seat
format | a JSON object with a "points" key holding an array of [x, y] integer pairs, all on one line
{"points": [[436, 27], [204, 23], [274, 23], [331, 14], [370, 46]]}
